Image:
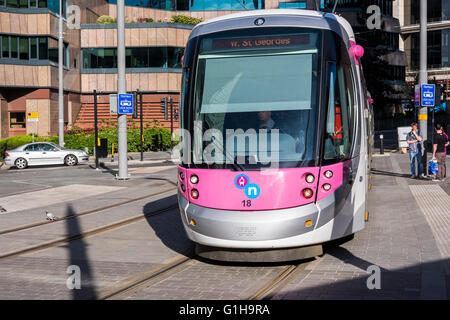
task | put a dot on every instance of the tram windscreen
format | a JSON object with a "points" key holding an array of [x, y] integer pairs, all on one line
{"points": [[256, 98]]}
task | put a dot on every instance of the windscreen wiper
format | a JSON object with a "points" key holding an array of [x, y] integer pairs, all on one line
{"points": [[236, 166]]}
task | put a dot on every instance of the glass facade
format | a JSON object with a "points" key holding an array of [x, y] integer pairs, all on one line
{"points": [[139, 57], [31, 48], [437, 10], [196, 5], [50, 4], [438, 50], [385, 6]]}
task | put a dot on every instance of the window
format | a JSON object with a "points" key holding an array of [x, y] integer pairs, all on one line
{"points": [[17, 120], [292, 5], [33, 48], [5, 47], [340, 114], [158, 57], [32, 147], [12, 3], [24, 48], [47, 147], [53, 50], [43, 48], [14, 44], [196, 5], [142, 57]]}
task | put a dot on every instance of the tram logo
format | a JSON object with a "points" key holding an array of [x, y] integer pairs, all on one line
{"points": [[251, 190]]}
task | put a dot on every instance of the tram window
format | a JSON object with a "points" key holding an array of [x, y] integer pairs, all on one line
{"points": [[340, 113]]}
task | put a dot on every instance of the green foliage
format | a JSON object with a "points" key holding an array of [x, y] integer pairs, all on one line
{"points": [[106, 20], [185, 20], [156, 138], [17, 141], [145, 20], [175, 19]]}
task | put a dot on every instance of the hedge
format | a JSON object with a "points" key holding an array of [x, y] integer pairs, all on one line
{"points": [[181, 18], [155, 139]]}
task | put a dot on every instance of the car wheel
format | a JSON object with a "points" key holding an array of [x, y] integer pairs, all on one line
{"points": [[21, 163], [70, 160]]}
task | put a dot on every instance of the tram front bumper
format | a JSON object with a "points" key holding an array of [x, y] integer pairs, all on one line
{"points": [[280, 228]]}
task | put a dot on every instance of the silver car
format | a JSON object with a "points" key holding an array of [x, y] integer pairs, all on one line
{"points": [[43, 153]]}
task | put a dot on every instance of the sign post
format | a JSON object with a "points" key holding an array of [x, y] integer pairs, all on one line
{"points": [[32, 117], [126, 104], [428, 94]]}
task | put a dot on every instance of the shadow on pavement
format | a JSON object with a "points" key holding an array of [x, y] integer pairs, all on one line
{"points": [[168, 226], [419, 281], [163, 179], [391, 174], [77, 251]]}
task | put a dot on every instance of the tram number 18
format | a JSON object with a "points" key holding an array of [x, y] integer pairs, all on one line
{"points": [[247, 203]]}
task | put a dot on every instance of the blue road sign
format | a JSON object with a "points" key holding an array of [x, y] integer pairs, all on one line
{"points": [[428, 91], [126, 103]]}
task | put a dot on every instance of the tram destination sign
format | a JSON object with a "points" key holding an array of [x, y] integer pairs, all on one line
{"points": [[260, 42]]}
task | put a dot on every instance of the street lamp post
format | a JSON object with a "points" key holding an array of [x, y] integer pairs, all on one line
{"points": [[61, 77], [121, 89], [423, 79]]}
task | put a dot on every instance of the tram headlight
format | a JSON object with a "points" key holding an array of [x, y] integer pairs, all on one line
{"points": [[310, 178], [194, 193], [194, 179], [326, 186], [307, 193], [181, 175], [328, 174], [183, 188]]}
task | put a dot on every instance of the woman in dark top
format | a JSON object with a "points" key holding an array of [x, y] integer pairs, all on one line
{"points": [[440, 142]]}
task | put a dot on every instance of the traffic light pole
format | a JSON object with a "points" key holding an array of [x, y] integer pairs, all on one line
{"points": [[142, 124], [96, 129], [423, 79], [171, 122], [121, 89]]}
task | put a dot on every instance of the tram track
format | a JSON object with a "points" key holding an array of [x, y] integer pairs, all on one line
{"points": [[270, 289], [87, 212], [90, 232], [266, 292], [147, 277]]}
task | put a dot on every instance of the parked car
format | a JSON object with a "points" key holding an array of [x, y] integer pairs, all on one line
{"points": [[43, 153]]}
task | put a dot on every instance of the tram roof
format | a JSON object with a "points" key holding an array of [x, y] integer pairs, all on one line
{"points": [[318, 19]]}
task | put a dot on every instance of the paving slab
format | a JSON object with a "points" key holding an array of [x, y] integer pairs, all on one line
{"points": [[398, 239]]}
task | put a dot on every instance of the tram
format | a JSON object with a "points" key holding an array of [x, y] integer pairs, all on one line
{"points": [[275, 116]]}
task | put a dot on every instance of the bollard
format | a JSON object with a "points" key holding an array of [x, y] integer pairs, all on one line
{"points": [[112, 152], [381, 147]]}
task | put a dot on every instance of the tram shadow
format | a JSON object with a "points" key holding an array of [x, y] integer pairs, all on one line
{"points": [[167, 225], [358, 279]]}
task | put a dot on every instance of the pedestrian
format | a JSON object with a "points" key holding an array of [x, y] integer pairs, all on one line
{"points": [[440, 142], [413, 138]]}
